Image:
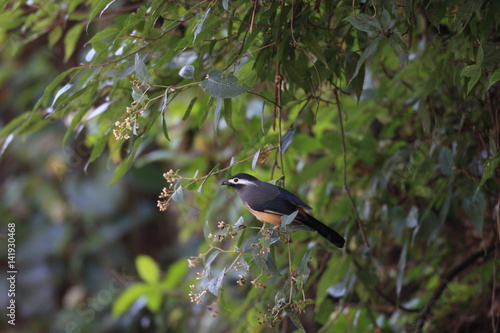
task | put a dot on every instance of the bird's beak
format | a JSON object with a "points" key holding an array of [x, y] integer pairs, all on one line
{"points": [[225, 182]]}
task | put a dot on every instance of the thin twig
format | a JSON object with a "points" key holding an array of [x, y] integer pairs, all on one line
{"points": [[369, 19], [426, 310], [346, 187]]}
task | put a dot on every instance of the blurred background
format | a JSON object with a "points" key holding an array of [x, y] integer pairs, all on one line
{"points": [[421, 128]]}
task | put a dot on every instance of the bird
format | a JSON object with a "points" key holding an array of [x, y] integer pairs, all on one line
{"points": [[268, 203]]}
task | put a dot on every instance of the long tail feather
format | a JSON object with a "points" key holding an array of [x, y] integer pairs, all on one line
{"points": [[331, 235]]}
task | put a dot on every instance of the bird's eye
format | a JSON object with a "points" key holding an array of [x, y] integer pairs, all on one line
{"points": [[235, 180]]}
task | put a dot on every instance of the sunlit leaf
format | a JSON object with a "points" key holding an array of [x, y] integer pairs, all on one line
{"points": [[154, 299], [125, 300], [71, 39], [255, 159], [54, 35], [147, 268], [175, 274]]}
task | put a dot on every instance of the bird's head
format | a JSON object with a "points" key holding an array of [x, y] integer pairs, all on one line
{"points": [[240, 181]]}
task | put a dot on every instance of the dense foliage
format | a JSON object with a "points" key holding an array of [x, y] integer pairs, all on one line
{"points": [[383, 115]]}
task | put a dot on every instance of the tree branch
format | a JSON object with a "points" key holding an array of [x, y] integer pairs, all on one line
{"points": [[426, 310]]}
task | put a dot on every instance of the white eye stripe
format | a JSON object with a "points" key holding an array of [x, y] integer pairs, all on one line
{"points": [[239, 181]]}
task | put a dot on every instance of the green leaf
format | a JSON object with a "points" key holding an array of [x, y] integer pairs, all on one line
{"points": [[477, 210], [122, 168], [489, 168], [175, 275], [303, 270], [287, 219], [125, 300], [474, 72], [199, 25], [295, 320], [385, 20], [480, 56], [154, 299], [98, 7], [264, 260], [312, 45], [445, 161], [206, 231], [74, 121], [217, 113], [140, 69], [12, 125], [215, 284], [336, 269], [223, 302], [400, 49], [494, 78], [228, 113], [164, 127], [54, 35], [355, 82], [425, 117], [189, 108], [71, 39], [364, 23], [97, 150], [220, 85], [208, 176], [148, 269], [205, 112], [178, 195], [50, 88], [370, 49]]}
